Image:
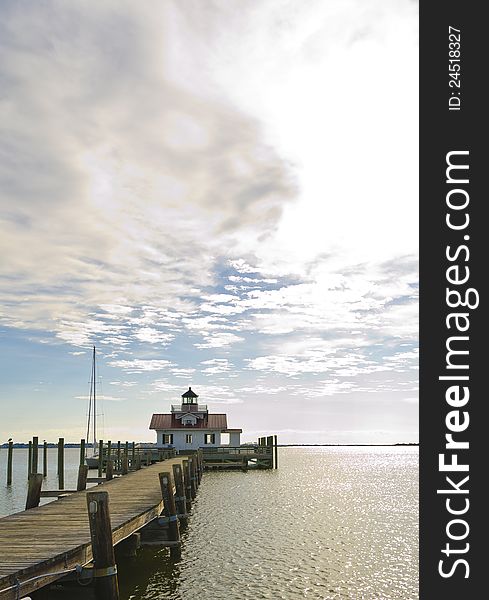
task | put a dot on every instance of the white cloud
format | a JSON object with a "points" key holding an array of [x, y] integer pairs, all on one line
{"points": [[102, 397], [194, 185], [139, 365], [153, 336], [219, 340]]}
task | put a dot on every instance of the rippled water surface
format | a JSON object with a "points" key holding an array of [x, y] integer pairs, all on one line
{"points": [[330, 523]]}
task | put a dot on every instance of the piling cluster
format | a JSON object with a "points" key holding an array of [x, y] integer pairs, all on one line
{"points": [[178, 490]]}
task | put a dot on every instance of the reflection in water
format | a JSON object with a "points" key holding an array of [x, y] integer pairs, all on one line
{"points": [[150, 575], [330, 523]]}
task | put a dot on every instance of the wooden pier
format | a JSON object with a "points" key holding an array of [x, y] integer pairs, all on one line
{"points": [[143, 496], [59, 539], [263, 455]]}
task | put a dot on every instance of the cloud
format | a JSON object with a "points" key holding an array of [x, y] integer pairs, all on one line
{"points": [[182, 189], [153, 336], [218, 340], [129, 195], [139, 365], [102, 397], [215, 366]]}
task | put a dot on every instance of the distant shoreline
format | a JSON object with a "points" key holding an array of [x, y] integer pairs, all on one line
{"points": [[367, 445], [53, 445]]}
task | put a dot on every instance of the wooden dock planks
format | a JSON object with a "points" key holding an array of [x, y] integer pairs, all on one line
{"points": [[55, 537]]}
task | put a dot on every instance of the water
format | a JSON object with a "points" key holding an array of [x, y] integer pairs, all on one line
{"points": [[12, 499], [330, 523]]}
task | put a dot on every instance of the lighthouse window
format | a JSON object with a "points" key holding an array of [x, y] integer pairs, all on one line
{"points": [[188, 438], [210, 438]]}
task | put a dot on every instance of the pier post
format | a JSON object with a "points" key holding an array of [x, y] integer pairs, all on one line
{"points": [[197, 477], [100, 457], [61, 464], [9, 461], [197, 467], [270, 451], [276, 450], [148, 458], [105, 569], [187, 484], [29, 460], [125, 465], [45, 459], [118, 464], [193, 486], [35, 454], [34, 490], [129, 547], [201, 464], [133, 455], [109, 470], [82, 452], [109, 454], [170, 512], [180, 498], [82, 478]]}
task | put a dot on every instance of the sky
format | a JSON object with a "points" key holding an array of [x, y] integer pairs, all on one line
{"points": [[216, 193]]}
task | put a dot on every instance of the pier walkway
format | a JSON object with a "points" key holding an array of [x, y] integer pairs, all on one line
{"points": [[40, 545]]}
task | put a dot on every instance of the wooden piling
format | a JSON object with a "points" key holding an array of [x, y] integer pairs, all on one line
{"points": [[148, 458], [197, 467], [125, 465], [118, 463], [61, 463], [201, 463], [193, 485], [276, 450], [109, 469], [45, 459], [170, 512], [187, 484], [133, 455], [129, 547], [35, 454], [109, 452], [180, 498], [34, 490], [82, 452], [100, 457], [82, 478], [29, 460], [105, 569], [9, 461]]}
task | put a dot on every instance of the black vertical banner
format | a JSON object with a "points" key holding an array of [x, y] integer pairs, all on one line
{"points": [[454, 249]]}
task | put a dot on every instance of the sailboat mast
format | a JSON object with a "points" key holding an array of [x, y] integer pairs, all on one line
{"points": [[94, 375]]}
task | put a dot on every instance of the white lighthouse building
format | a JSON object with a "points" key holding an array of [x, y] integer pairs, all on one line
{"points": [[190, 426]]}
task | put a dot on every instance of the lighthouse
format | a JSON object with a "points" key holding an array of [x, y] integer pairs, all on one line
{"points": [[190, 426]]}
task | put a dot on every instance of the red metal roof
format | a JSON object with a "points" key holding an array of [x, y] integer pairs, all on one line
{"points": [[168, 421]]}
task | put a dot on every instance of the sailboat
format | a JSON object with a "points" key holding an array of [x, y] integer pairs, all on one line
{"points": [[92, 460]]}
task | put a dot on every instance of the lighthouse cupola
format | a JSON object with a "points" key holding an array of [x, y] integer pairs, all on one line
{"points": [[189, 397]]}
